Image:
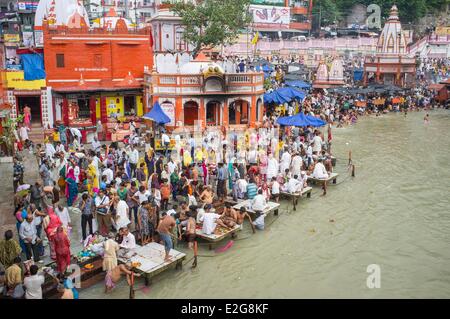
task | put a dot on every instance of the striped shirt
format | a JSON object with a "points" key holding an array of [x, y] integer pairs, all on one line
{"points": [[252, 190]]}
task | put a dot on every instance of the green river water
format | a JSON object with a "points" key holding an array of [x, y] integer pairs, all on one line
{"points": [[395, 213]]}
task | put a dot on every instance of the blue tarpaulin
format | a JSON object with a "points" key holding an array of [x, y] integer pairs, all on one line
{"points": [[298, 84], [283, 95], [157, 114], [267, 68], [358, 74], [33, 66], [300, 119]]}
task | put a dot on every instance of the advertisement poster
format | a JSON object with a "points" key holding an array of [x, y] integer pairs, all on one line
{"points": [[28, 40], [270, 15], [169, 110], [39, 36]]}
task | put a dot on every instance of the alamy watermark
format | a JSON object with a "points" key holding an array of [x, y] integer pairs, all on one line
{"points": [[374, 279]]}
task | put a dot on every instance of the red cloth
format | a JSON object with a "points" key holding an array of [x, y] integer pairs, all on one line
{"points": [[62, 250], [53, 225]]}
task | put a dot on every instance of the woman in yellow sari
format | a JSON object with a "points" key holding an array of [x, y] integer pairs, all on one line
{"points": [[92, 178]]}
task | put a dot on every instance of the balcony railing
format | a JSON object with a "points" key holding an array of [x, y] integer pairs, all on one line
{"points": [[249, 82]]}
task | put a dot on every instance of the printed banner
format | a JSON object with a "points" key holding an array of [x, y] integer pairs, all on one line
{"points": [[169, 110], [12, 38], [270, 15]]}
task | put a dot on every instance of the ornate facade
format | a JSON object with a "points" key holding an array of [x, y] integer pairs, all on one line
{"points": [[391, 64], [202, 94]]}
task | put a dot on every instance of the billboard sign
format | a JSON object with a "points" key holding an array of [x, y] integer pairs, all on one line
{"points": [[27, 6], [270, 15]]}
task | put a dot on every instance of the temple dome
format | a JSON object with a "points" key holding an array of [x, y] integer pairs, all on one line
{"points": [[201, 64], [392, 40]]}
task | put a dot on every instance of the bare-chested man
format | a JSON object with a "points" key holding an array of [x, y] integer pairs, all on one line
{"points": [[241, 216], [207, 196], [229, 216]]}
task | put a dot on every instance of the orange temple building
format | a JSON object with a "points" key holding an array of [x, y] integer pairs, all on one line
{"points": [[96, 73]]}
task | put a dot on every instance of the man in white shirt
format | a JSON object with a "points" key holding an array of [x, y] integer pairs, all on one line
{"points": [[96, 146], [133, 156], [108, 173], [319, 170], [60, 148], [76, 134], [252, 156], [33, 284], [165, 139], [171, 165], [142, 195], [63, 214], [296, 164], [49, 150], [102, 209], [294, 185], [285, 161], [259, 202], [209, 220], [317, 143], [128, 239], [275, 189], [23, 132], [242, 187]]}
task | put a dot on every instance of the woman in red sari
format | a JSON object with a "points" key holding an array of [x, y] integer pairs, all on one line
{"points": [[51, 223], [62, 249]]}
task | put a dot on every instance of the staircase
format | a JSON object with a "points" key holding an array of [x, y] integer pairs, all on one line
{"points": [[37, 133]]}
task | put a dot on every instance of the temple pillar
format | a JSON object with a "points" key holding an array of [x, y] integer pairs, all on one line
{"points": [[179, 111], [252, 116], [202, 113], [225, 113], [92, 109]]}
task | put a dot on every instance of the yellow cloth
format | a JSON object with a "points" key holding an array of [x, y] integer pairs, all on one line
{"points": [[187, 159], [199, 156], [255, 38], [92, 175], [56, 137], [13, 275]]}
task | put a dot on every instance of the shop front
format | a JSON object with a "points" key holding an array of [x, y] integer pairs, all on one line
{"points": [[83, 109]]}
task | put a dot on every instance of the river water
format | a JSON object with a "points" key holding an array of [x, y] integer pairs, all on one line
{"points": [[395, 213]]}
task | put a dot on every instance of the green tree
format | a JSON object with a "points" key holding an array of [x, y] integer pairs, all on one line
{"points": [[212, 22], [325, 12]]}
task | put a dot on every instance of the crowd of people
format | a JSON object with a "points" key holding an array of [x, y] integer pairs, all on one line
{"points": [[130, 193]]}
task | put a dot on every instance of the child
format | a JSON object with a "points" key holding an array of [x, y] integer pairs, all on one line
{"points": [[165, 194], [275, 189]]}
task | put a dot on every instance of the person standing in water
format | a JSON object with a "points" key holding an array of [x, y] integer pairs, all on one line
{"points": [[426, 119]]}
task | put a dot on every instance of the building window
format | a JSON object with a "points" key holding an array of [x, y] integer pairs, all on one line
{"points": [[97, 60], [59, 60]]}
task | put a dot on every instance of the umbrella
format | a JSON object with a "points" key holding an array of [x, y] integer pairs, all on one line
{"points": [[157, 114], [316, 122], [283, 95], [300, 119]]}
